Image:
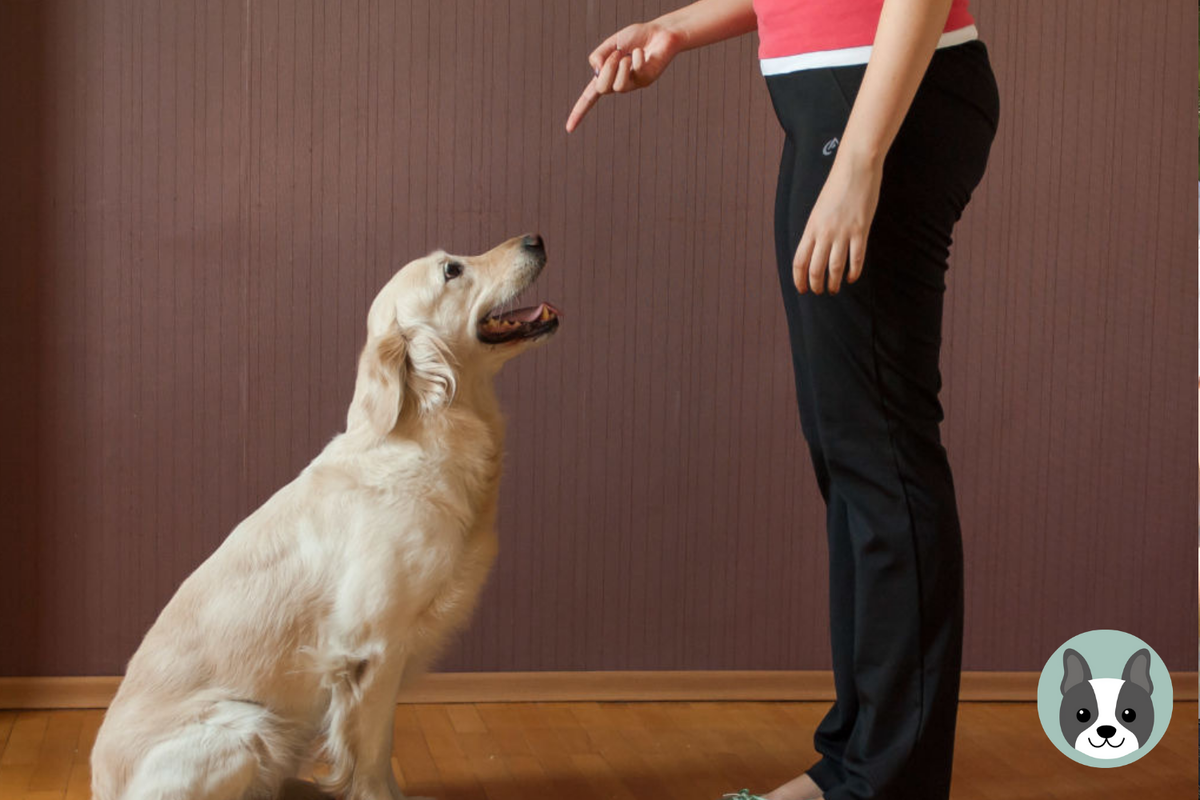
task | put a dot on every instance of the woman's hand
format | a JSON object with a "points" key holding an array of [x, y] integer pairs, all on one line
{"points": [[632, 58], [836, 232]]}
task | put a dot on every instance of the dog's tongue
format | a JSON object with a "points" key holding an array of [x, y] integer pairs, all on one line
{"points": [[531, 314]]}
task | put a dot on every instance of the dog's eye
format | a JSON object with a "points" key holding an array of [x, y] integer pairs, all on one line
{"points": [[1128, 715], [452, 270], [1083, 715]]}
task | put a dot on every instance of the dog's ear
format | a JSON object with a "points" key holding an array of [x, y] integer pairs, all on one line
{"points": [[398, 370], [1075, 670], [1137, 670], [429, 379], [378, 389]]}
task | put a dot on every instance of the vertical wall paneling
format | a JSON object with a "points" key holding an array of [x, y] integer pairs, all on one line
{"points": [[199, 199]]}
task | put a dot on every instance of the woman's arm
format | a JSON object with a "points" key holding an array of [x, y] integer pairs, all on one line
{"points": [[904, 43], [837, 228], [634, 57], [709, 21]]}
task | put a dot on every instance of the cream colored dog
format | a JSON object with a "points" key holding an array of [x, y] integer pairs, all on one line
{"points": [[303, 625]]}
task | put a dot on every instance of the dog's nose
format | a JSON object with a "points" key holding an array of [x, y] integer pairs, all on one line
{"points": [[1107, 731], [533, 242]]}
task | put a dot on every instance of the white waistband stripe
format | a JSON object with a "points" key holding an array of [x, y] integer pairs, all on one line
{"points": [[849, 56]]}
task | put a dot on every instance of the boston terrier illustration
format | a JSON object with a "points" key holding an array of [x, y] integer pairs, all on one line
{"points": [[1106, 717]]}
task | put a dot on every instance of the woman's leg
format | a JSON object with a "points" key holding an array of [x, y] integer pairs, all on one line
{"points": [[872, 356], [795, 183], [867, 384]]}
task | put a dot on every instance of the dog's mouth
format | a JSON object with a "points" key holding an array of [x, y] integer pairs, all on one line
{"points": [[1105, 743], [499, 326]]}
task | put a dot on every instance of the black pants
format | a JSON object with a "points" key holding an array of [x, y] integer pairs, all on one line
{"points": [[867, 381]]}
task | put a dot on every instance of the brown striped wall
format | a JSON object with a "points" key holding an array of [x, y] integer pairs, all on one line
{"points": [[198, 200]]}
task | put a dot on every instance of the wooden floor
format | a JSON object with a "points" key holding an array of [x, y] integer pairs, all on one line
{"points": [[645, 751]]}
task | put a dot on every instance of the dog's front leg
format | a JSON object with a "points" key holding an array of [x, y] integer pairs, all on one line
{"points": [[359, 737]]}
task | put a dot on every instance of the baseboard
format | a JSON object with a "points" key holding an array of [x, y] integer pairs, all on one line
{"points": [[545, 687]]}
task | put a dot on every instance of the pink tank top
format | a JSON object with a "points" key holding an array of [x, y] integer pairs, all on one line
{"points": [[802, 34]]}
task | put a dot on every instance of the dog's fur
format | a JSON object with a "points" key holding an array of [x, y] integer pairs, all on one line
{"points": [[303, 625]]}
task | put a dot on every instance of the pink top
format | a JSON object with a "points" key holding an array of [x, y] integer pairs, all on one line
{"points": [[795, 27]]}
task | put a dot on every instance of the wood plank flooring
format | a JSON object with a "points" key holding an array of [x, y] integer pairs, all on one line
{"points": [[644, 751]]}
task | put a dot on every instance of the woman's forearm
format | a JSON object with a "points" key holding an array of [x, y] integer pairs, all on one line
{"points": [[708, 21], [904, 44]]}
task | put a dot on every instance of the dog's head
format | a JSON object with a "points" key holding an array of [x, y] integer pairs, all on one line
{"points": [[1106, 717], [440, 317]]}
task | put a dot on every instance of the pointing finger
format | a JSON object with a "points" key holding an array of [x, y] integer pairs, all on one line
{"points": [[583, 105]]}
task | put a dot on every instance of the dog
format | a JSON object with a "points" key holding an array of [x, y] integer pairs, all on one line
{"points": [[299, 631], [1106, 717]]}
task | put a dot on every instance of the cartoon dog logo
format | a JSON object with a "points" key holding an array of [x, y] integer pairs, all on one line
{"points": [[1106, 717]]}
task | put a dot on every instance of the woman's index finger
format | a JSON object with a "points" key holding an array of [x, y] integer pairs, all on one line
{"points": [[583, 105]]}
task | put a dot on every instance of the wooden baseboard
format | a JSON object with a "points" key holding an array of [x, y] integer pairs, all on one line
{"points": [[87, 692], [544, 687]]}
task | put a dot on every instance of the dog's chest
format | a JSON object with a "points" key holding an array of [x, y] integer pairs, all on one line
{"points": [[453, 597], [449, 567]]}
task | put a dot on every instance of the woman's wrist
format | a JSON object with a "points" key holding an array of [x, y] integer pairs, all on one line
{"points": [[861, 155], [675, 31]]}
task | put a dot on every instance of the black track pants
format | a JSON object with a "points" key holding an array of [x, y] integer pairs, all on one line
{"points": [[867, 381]]}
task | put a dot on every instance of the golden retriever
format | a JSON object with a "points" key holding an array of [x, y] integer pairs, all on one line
{"points": [[301, 628]]}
